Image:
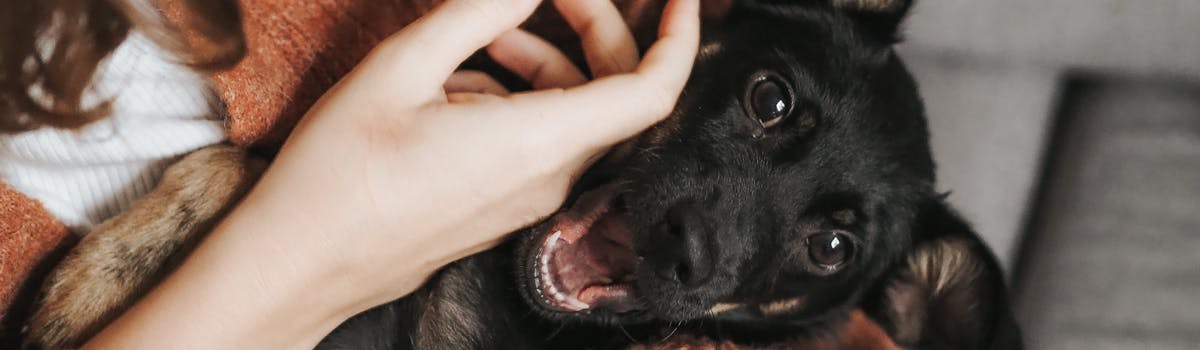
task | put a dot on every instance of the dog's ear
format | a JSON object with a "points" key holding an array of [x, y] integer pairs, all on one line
{"points": [[949, 292], [880, 19]]}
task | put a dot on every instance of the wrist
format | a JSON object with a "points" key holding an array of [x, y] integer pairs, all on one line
{"points": [[244, 286], [328, 263]]}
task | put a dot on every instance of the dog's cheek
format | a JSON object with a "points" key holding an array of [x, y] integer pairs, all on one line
{"points": [[662, 132]]}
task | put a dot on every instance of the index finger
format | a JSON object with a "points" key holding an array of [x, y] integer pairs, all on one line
{"points": [[427, 51], [588, 115]]}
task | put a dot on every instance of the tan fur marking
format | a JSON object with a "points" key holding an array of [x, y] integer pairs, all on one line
{"points": [[709, 49], [869, 5], [720, 308], [844, 217], [780, 307], [125, 256]]}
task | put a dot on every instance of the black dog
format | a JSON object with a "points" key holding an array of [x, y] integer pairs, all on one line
{"points": [[792, 184]]}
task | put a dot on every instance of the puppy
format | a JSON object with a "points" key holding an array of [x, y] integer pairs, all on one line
{"points": [[792, 185], [790, 193]]}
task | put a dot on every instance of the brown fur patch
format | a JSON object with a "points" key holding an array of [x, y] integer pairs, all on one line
{"points": [[780, 307], [870, 5], [933, 272], [123, 257]]}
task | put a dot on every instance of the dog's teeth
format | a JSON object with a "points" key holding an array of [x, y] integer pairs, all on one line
{"points": [[545, 284], [545, 258]]}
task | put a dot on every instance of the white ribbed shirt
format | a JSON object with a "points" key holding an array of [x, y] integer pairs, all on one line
{"points": [[160, 111]]}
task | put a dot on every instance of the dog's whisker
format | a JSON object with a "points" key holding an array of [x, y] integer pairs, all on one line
{"points": [[626, 332], [556, 331], [673, 330], [774, 280], [529, 313]]}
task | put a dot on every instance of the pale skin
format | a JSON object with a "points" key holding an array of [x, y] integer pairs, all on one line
{"points": [[405, 166]]}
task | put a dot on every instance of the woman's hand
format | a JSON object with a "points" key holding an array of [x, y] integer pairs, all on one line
{"points": [[405, 166], [421, 178]]}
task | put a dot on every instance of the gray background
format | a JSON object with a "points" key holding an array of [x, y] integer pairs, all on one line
{"points": [[1068, 131]]}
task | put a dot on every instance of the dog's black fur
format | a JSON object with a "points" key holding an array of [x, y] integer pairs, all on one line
{"points": [[727, 208]]}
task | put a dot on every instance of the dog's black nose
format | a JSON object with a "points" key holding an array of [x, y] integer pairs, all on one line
{"points": [[690, 259]]}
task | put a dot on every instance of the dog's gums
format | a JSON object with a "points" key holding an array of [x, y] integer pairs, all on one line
{"points": [[585, 259]]}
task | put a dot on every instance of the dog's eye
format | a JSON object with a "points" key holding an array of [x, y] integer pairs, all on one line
{"points": [[769, 101], [829, 249]]}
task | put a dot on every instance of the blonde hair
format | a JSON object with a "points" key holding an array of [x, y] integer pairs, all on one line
{"points": [[50, 50]]}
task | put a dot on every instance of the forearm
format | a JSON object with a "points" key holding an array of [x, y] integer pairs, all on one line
{"points": [[283, 269], [244, 287]]}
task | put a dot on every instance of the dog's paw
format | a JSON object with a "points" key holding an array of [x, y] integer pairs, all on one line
{"points": [[81, 295], [209, 179], [122, 258]]}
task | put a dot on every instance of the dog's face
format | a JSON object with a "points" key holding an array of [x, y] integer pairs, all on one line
{"points": [[781, 187]]}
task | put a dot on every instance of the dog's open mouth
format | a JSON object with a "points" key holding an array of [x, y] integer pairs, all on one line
{"points": [[584, 259]]}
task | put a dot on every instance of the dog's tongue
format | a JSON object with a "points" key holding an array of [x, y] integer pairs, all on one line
{"points": [[587, 259], [615, 297]]}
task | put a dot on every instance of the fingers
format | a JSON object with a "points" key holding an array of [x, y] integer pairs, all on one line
{"points": [[473, 82], [607, 43], [427, 51], [537, 61], [669, 61], [590, 114]]}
